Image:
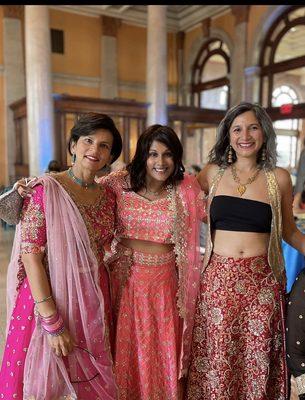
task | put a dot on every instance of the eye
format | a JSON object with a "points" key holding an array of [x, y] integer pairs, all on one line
{"points": [[152, 154], [87, 140], [236, 130], [104, 146], [168, 154]]}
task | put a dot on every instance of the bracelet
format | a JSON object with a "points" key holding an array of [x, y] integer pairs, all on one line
{"points": [[43, 300], [53, 325]]}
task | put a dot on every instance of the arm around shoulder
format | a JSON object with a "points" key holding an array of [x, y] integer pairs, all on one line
{"points": [[206, 176]]}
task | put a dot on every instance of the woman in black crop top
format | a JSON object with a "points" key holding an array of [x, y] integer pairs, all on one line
{"points": [[238, 344]]}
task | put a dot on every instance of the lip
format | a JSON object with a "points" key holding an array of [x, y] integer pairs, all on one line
{"points": [[92, 158], [160, 170], [246, 145]]}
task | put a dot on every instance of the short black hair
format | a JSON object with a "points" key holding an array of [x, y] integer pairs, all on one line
{"points": [[137, 167], [88, 123]]}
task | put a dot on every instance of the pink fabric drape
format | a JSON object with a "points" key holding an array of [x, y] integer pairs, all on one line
{"points": [[74, 280], [189, 213]]}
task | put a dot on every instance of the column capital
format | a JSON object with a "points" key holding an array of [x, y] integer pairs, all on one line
{"points": [[241, 13], [205, 27], [110, 25], [13, 11]]}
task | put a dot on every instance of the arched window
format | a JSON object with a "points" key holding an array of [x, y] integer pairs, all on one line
{"points": [[286, 129], [282, 59], [210, 83]]}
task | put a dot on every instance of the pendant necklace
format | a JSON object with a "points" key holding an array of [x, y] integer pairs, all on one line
{"points": [[242, 187], [79, 181]]}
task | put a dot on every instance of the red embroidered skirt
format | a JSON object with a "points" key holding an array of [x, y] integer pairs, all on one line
{"points": [[238, 347]]}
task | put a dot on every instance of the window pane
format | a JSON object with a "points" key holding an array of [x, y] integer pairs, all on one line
{"points": [[291, 45], [300, 12], [215, 98], [214, 68], [286, 149]]}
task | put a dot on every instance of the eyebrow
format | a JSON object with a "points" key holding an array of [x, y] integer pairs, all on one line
{"points": [[237, 126]]}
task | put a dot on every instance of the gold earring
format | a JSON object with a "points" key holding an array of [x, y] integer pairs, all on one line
{"points": [[230, 155]]}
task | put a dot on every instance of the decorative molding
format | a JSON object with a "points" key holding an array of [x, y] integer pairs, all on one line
{"points": [[205, 27], [110, 25], [180, 36], [179, 18], [241, 13], [13, 11], [95, 82], [77, 80]]}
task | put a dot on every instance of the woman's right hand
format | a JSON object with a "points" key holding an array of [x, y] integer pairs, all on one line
{"points": [[24, 186], [62, 344]]}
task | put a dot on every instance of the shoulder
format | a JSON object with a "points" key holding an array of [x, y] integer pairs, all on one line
{"points": [[283, 178], [113, 177], [114, 181], [207, 174], [34, 203]]}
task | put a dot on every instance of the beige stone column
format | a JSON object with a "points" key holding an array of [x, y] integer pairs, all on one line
{"points": [[239, 56], [156, 83], [181, 97], [109, 57], [14, 78], [40, 109]]}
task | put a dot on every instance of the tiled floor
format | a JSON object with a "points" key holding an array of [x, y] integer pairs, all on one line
{"points": [[6, 241]]}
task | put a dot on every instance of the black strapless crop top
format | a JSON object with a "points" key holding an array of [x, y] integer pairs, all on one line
{"points": [[230, 213]]}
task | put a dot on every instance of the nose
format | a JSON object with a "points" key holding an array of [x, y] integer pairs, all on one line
{"points": [[244, 134]]}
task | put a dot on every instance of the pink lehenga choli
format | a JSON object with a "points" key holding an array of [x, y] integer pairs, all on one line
{"points": [[154, 294], [70, 234]]}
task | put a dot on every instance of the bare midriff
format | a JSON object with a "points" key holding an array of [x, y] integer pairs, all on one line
{"points": [[240, 244], [147, 246]]}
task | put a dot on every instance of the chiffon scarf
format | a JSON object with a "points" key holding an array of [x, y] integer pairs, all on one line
{"points": [[73, 273], [189, 211]]}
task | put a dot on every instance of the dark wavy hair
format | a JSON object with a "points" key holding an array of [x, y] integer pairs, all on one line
{"points": [[137, 167], [219, 153], [90, 122]]}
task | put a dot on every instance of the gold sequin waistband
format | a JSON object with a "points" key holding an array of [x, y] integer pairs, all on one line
{"points": [[140, 257]]}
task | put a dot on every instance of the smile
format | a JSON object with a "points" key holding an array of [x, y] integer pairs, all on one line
{"points": [[92, 158], [246, 145]]}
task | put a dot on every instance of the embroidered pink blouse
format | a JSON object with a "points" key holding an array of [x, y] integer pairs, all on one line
{"points": [[137, 217], [99, 220]]}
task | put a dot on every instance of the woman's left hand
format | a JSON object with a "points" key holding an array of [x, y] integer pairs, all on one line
{"points": [[62, 344]]}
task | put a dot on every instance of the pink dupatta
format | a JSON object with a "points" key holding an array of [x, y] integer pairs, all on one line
{"points": [[73, 271], [189, 211]]}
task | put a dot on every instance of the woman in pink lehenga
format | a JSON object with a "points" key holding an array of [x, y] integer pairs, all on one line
{"points": [[155, 267], [63, 350]]}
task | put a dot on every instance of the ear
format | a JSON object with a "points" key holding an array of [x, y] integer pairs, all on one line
{"points": [[72, 147]]}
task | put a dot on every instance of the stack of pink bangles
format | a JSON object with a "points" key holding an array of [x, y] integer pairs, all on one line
{"points": [[54, 325]]}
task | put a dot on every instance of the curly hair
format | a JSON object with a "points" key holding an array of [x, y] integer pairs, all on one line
{"points": [[137, 167], [219, 153]]}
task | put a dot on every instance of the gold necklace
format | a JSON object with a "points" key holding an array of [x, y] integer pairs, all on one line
{"points": [[242, 187]]}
